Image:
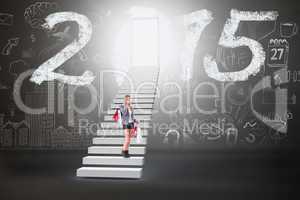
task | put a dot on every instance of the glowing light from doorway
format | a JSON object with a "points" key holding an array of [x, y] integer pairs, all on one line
{"points": [[142, 12], [137, 42], [144, 42], [146, 39]]}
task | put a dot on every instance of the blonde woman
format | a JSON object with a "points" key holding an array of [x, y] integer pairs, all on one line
{"points": [[128, 122]]}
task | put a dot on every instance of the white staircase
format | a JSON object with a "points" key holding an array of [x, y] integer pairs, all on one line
{"points": [[104, 159]]}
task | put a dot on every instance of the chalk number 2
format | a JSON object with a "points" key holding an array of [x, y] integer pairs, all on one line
{"points": [[45, 71]]}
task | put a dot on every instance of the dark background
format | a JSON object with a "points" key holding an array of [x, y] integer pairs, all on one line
{"points": [[195, 170]]}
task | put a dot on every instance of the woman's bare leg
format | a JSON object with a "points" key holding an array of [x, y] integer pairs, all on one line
{"points": [[127, 140], [131, 131]]}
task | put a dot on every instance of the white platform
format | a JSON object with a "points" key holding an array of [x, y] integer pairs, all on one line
{"points": [[115, 150], [135, 96], [144, 100], [142, 91], [110, 172], [136, 112], [114, 125], [113, 160], [116, 141], [135, 106], [117, 132], [108, 118], [144, 86]]}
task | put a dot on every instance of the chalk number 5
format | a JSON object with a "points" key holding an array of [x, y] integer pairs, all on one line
{"points": [[228, 39]]}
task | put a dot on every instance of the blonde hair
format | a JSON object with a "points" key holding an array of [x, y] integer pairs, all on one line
{"points": [[128, 96]]}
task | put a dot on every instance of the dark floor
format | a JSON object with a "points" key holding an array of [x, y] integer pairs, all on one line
{"points": [[198, 174]]}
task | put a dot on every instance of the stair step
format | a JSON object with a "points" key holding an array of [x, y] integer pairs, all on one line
{"points": [[110, 172], [115, 125], [138, 117], [113, 160], [116, 141], [135, 101], [105, 159], [139, 88], [140, 85], [135, 96], [117, 132], [115, 150], [135, 106], [136, 112], [131, 92]]}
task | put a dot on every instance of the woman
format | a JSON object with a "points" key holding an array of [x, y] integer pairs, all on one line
{"points": [[128, 122]]}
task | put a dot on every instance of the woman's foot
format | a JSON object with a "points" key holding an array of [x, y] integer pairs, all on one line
{"points": [[125, 154]]}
